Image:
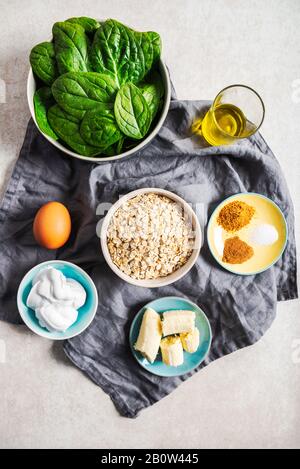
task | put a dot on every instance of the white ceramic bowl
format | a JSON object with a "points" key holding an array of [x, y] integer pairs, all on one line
{"points": [[158, 282], [31, 87]]}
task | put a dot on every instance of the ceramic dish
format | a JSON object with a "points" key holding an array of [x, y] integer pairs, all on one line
{"points": [[191, 360], [31, 87], [85, 314], [266, 212], [158, 282]]}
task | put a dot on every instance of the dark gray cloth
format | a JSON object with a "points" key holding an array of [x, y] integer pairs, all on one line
{"points": [[240, 308]]}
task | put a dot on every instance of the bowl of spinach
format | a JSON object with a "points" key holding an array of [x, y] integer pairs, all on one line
{"points": [[98, 91]]}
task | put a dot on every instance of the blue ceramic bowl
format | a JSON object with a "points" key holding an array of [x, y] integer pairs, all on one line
{"points": [[85, 314], [191, 360]]}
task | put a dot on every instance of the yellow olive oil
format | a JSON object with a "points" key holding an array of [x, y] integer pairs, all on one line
{"points": [[223, 124]]}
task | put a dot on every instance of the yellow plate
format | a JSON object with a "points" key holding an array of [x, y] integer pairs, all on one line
{"points": [[266, 212]]}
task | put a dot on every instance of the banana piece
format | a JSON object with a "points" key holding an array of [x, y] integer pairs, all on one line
{"points": [[178, 321], [190, 340], [172, 351], [149, 336]]}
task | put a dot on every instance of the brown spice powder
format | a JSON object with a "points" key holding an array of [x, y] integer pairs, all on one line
{"points": [[235, 215], [236, 251]]}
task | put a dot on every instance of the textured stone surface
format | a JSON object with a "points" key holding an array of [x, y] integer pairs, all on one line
{"points": [[248, 399]]}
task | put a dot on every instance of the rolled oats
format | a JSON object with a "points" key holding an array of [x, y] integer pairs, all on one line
{"points": [[149, 237]]}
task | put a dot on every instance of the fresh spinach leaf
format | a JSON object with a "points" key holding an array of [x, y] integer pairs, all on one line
{"points": [[42, 101], [43, 62], [126, 54], [67, 127], [88, 24], [109, 151], [119, 145], [153, 90], [115, 149], [129, 143], [78, 92], [99, 128], [92, 69], [71, 47], [132, 111]]}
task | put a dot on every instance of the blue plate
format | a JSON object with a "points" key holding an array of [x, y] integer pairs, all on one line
{"points": [[85, 314], [191, 360]]}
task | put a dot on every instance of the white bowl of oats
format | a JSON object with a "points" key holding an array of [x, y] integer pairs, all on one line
{"points": [[151, 237]]}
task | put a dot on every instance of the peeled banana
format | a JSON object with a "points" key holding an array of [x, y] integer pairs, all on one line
{"points": [[172, 351], [149, 336], [190, 340], [178, 321]]}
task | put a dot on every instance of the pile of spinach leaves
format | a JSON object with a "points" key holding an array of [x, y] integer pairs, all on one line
{"points": [[99, 89]]}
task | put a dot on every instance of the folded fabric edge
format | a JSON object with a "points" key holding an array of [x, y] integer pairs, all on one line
{"points": [[10, 189], [291, 291], [119, 403], [287, 296], [116, 399], [90, 370]]}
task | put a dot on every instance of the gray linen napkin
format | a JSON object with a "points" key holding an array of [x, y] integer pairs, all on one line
{"points": [[239, 308]]}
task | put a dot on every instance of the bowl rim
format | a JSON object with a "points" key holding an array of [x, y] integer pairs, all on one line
{"points": [[211, 219], [148, 305], [104, 159], [161, 281], [20, 303]]}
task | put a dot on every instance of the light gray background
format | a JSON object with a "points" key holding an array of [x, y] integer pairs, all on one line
{"points": [[248, 399]]}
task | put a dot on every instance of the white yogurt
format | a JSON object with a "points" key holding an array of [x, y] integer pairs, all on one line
{"points": [[55, 299], [264, 235]]}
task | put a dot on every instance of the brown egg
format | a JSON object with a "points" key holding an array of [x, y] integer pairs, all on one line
{"points": [[52, 225]]}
